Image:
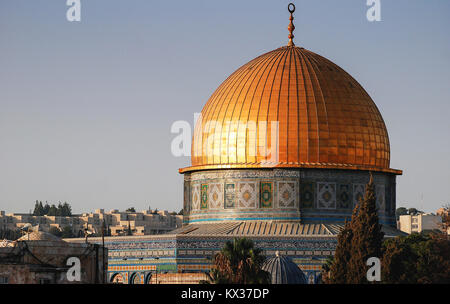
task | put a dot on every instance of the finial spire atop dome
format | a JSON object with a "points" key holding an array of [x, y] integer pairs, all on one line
{"points": [[291, 27]]}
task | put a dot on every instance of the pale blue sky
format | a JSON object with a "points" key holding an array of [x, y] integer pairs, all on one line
{"points": [[86, 108]]}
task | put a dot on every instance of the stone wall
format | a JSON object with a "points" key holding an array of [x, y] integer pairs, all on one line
{"points": [[42, 262]]}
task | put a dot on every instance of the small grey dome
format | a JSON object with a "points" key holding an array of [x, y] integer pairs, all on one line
{"points": [[40, 236], [283, 270]]}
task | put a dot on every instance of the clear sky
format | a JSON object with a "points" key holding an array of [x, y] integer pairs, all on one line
{"points": [[86, 107]]}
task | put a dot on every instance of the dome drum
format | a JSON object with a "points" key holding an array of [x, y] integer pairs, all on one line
{"points": [[284, 195]]}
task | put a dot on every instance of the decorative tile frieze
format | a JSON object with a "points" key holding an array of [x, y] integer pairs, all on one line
{"points": [[288, 194], [186, 196], [230, 192], [230, 195], [238, 174], [307, 195], [247, 194], [358, 193], [344, 199], [266, 194], [380, 197], [204, 196], [215, 196], [326, 195], [196, 197]]}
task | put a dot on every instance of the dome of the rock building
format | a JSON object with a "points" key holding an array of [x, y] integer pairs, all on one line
{"points": [[290, 108], [283, 270]]}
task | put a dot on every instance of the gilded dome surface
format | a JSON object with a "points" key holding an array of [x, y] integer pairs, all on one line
{"points": [[290, 108]]}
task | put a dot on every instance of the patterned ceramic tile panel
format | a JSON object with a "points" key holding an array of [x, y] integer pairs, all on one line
{"points": [[391, 200], [307, 195], [266, 195], [326, 195], [186, 203], [358, 193], [204, 196], [215, 196], [195, 197], [230, 195], [344, 200], [380, 197], [247, 194], [288, 194], [244, 192]]}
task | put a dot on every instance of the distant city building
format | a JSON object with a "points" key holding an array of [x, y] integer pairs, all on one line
{"points": [[444, 213], [419, 223], [42, 258], [117, 223]]}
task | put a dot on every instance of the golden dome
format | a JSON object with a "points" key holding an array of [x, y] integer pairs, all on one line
{"points": [[290, 108]]}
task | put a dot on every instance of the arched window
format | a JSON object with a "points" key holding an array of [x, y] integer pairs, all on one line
{"points": [[117, 279], [136, 278]]}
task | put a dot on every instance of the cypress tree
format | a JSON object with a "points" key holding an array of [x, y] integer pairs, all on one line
{"points": [[359, 240], [46, 208], [36, 208], [367, 237], [338, 269], [129, 232], [40, 209], [52, 210]]}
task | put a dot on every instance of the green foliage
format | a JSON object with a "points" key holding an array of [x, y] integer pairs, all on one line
{"points": [[326, 269], [38, 209], [405, 211], [416, 259], [67, 232], [400, 211], [413, 211], [367, 237], [337, 270], [52, 210], [239, 262], [131, 209], [129, 231], [359, 240]]}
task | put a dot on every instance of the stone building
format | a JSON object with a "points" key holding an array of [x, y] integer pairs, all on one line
{"points": [[444, 213], [281, 155], [117, 223], [421, 222], [41, 258]]}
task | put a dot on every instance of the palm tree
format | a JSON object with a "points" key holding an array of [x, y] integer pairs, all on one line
{"points": [[239, 262]]}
